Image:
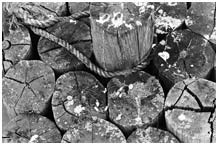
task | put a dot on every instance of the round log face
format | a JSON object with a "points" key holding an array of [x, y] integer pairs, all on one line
{"points": [[28, 87], [61, 60], [77, 95], [17, 42], [190, 110], [31, 128], [134, 100], [94, 131], [151, 135], [183, 54], [122, 35]]}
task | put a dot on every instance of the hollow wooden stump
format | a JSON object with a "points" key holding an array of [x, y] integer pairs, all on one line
{"points": [[61, 60], [31, 128], [122, 34], [182, 55], [94, 131], [151, 135], [28, 87], [135, 100], [190, 110], [77, 95]]}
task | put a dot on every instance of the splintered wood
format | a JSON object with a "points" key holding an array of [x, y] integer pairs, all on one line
{"points": [[122, 34]]}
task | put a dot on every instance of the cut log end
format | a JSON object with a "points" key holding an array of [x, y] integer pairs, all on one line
{"points": [[135, 100], [190, 110], [78, 95], [94, 131], [151, 135], [31, 128], [28, 87]]}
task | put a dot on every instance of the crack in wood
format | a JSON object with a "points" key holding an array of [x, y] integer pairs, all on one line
{"points": [[13, 79]]}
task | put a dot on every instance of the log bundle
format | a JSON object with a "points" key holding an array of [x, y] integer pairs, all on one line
{"points": [[49, 96]]}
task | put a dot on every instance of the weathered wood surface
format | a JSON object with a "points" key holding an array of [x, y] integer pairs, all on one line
{"points": [[190, 110], [31, 128], [77, 95], [122, 34], [94, 131], [28, 87], [151, 135], [135, 100], [16, 43], [182, 55], [61, 60]]}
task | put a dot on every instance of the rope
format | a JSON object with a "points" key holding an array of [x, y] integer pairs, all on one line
{"points": [[49, 22], [83, 58], [27, 19]]}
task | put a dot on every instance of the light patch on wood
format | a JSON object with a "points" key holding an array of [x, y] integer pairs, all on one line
{"points": [[33, 138], [78, 109], [88, 126], [97, 103], [130, 86], [69, 98], [104, 18], [73, 21], [118, 117], [182, 117], [164, 55]]}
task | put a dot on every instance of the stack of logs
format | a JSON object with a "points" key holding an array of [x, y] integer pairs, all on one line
{"points": [[50, 96]]}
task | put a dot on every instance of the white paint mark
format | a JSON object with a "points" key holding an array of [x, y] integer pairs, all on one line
{"points": [[138, 23], [69, 97], [73, 21], [164, 55], [97, 103], [96, 109], [130, 86], [182, 117], [104, 18], [191, 65], [105, 109], [78, 109], [33, 138], [162, 42], [118, 117]]}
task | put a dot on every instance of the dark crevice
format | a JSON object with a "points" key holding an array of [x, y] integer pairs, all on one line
{"points": [[35, 79], [211, 119], [21, 94], [13, 79], [47, 50], [66, 140], [21, 136], [205, 109], [137, 36], [61, 116], [32, 91], [48, 9], [180, 96], [195, 97], [119, 45], [77, 83], [15, 44], [65, 109]]}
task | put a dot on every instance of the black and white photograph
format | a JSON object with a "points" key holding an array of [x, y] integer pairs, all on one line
{"points": [[108, 72]]}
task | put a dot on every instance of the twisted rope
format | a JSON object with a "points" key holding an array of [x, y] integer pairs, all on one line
{"points": [[83, 58], [51, 21], [34, 24]]}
